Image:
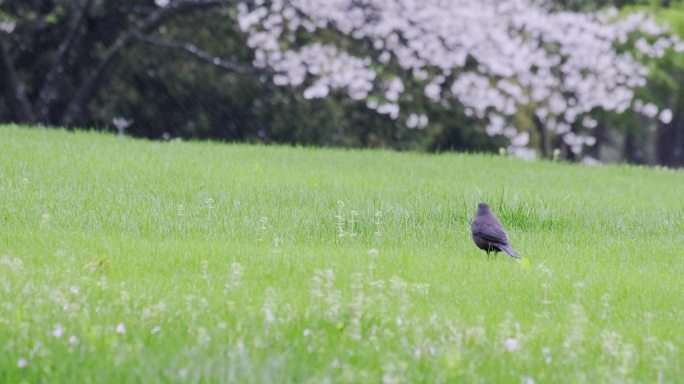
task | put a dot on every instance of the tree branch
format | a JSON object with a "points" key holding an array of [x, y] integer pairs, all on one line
{"points": [[157, 18], [200, 54], [97, 78]]}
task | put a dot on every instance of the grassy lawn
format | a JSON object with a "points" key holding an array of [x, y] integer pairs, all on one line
{"points": [[127, 261]]}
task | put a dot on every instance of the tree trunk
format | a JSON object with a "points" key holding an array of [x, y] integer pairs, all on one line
{"points": [[52, 89], [544, 140], [13, 89], [633, 151], [76, 109], [670, 143], [600, 134]]}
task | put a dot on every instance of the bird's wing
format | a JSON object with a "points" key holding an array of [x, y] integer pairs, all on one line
{"points": [[491, 233]]}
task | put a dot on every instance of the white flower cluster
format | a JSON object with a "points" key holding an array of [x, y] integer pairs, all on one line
{"points": [[493, 56]]}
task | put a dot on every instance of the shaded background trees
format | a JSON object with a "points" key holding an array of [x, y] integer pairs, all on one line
{"points": [[182, 68]]}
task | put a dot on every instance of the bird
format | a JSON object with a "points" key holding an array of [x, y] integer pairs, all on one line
{"points": [[488, 233]]}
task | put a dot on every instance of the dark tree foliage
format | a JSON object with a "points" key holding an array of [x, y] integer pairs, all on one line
{"points": [[58, 55], [179, 71]]}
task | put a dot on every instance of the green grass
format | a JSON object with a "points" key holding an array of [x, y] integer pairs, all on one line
{"points": [[127, 261]]}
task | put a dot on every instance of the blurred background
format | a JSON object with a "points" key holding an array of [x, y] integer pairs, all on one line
{"points": [[586, 81]]}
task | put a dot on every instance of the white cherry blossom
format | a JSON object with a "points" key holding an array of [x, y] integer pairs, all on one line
{"points": [[495, 57]]}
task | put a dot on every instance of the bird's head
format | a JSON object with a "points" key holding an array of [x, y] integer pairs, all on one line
{"points": [[483, 208]]}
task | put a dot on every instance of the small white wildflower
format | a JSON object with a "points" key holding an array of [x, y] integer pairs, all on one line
{"points": [[155, 330], [22, 363], [307, 332], [268, 315], [235, 276], [527, 380], [121, 328], [73, 340], [58, 330], [121, 123], [74, 289], [511, 344], [45, 220], [183, 373], [210, 203], [373, 252]]}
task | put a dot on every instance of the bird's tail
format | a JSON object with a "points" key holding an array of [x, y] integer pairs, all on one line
{"points": [[509, 251]]}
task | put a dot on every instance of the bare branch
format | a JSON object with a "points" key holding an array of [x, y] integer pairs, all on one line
{"points": [[200, 54], [49, 92], [135, 9], [157, 18], [98, 76]]}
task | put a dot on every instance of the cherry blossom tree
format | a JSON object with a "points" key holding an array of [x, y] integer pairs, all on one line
{"points": [[497, 59]]}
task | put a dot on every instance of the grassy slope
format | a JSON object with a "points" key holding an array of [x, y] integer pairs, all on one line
{"points": [[234, 253]]}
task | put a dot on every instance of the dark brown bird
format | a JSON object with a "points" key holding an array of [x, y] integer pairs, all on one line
{"points": [[488, 233]]}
